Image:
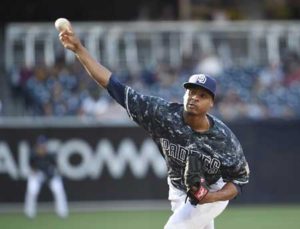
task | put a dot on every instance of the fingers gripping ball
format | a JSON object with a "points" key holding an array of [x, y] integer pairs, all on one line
{"points": [[194, 179], [62, 24]]}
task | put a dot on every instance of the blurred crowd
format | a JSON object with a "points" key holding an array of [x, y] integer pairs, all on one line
{"points": [[219, 10], [256, 92], [132, 10], [248, 92]]}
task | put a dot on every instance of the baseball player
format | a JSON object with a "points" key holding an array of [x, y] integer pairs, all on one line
{"points": [[43, 169], [205, 161]]}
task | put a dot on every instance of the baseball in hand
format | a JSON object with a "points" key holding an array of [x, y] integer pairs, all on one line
{"points": [[62, 24]]}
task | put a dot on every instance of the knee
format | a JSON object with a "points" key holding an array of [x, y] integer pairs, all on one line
{"points": [[57, 187], [33, 190]]}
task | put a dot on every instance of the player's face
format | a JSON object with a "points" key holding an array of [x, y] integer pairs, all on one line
{"points": [[197, 101], [41, 149]]}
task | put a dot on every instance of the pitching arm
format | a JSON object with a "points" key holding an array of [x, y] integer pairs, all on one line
{"points": [[97, 71]]}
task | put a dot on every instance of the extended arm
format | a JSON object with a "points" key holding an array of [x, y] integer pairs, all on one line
{"points": [[97, 71]]}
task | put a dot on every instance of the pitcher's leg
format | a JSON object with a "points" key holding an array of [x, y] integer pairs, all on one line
{"points": [[198, 217]]}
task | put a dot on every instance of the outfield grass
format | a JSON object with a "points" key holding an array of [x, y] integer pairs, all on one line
{"points": [[265, 217]]}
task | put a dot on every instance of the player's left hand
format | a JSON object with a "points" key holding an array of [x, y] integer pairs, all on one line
{"points": [[194, 180], [198, 192]]}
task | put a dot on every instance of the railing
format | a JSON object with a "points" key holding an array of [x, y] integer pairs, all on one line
{"points": [[137, 44]]}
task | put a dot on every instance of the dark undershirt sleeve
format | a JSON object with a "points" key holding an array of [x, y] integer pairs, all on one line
{"points": [[116, 90]]}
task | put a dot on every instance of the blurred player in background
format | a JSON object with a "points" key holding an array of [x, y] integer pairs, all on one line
{"points": [[180, 130], [44, 170]]}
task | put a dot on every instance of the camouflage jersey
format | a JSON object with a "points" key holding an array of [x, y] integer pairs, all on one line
{"points": [[220, 150]]}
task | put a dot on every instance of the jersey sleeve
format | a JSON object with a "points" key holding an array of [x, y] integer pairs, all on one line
{"points": [[235, 168], [142, 109], [33, 161], [52, 159], [238, 174], [147, 111]]}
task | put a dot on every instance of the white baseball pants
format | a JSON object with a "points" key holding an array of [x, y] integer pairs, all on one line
{"points": [[187, 216], [34, 184]]}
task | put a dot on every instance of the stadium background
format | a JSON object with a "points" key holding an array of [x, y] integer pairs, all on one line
{"points": [[114, 175]]}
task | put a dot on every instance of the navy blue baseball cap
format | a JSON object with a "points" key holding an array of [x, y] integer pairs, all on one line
{"points": [[41, 139], [204, 81]]}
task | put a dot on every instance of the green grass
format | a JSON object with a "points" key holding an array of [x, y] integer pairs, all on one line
{"points": [[263, 217], [254, 217]]}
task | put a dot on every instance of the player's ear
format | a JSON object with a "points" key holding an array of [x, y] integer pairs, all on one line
{"points": [[212, 101]]}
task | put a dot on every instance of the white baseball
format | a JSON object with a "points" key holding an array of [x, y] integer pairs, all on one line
{"points": [[62, 24]]}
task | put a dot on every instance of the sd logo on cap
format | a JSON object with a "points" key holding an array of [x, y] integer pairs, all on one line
{"points": [[202, 80]]}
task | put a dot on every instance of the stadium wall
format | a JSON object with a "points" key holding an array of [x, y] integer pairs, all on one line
{"points": [[103, 162]]}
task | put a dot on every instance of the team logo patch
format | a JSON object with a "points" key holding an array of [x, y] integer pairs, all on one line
{"points": [[201, 79]]}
